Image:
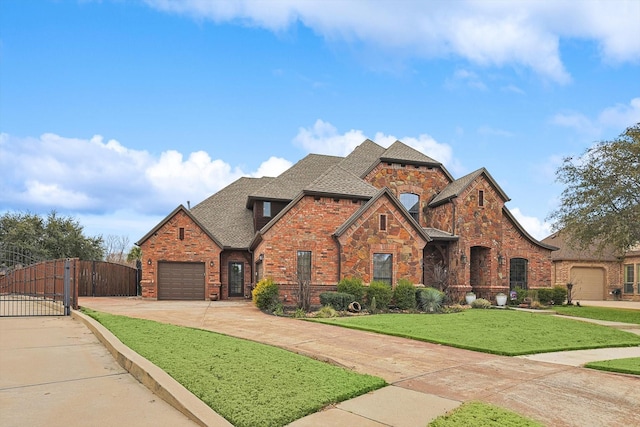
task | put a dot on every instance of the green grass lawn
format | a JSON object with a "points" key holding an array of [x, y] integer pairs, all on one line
{"points": [[482, 414], [625, 366], [249, 384], [506, 332], [601, 313]]}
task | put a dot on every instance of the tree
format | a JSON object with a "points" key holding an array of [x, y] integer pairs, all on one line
{"points": [[600, 205], [114, 248], [135, 254], [52, 237]]}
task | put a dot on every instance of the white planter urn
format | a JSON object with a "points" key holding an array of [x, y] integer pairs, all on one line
{"points": [[501, 300], [470, 297]]}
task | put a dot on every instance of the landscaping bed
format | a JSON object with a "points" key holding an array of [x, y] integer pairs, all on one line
{"points": [[630, 365]]}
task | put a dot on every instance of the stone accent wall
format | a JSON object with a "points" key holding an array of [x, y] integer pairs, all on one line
{"points": [[424, 181], [166, 245], [364, 238]]}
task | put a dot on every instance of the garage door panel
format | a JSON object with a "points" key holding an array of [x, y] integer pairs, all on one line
{"points": [[181, 280], [588, 283]]}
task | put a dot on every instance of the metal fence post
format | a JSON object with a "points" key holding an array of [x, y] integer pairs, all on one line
{"points": [[67, 286]]}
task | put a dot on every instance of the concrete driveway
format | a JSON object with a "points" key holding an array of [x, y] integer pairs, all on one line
{"points": [[554, 394]]}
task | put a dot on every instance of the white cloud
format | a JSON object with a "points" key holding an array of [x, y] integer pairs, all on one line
{"points": [[490, 131], [534, 226], [619, 117], [323, 138], [525, 33], [272, 167]]}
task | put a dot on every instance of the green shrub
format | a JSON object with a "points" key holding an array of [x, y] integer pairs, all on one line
{"points": [[454, 308], [481, 303], [326, 312], [373, 307], [545, 295], [353, 286], [559, 295], [300, 313], [265, 295], [382, 292], [430, 300], [521, 294], [338, 300], [404, 295]]}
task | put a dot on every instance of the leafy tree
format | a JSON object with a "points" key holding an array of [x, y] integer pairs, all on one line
{"points": [[52, 237], [601, 204], [134, 254]]}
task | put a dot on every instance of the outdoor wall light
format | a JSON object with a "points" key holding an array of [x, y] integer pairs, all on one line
{"points": [[500, 259], [149, 261], [210, 263], [463, 259]]}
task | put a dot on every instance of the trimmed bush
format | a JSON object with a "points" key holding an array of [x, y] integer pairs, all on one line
{"points": [[481, 303], [265, 295], [521, 294], [382, 292], [404, 295], [559, 295], [338, 300], [430, 300], [545, 295], [353, 286]]}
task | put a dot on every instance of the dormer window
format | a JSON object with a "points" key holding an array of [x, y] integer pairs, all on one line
{"points": [[411, 202], [266, 209]]}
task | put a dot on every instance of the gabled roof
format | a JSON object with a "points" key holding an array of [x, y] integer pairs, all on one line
{"points": [[338, 181], [382, 193], [436, 234], [454, 189], [568, 253], [362, 157], [400, 152], [289, 183], [532, 239], [224, 214], [161, 224]]}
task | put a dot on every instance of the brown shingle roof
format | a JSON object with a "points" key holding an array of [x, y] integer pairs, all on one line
{"points": [[399, 151], [225, 216], [362, 157], [289, 183], [568, 253], [338, 181]]}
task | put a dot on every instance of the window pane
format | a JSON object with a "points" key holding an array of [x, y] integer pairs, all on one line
{"points": [[518, 273], [628, 279], [266, 209], [304, 266], [411, 202], [382, 268]]}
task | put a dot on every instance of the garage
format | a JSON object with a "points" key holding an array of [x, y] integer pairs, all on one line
{"points": [[181, 280], [588, 283]]}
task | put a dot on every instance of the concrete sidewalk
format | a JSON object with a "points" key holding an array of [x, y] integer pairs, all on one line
{"points": [[54, 372], [422, 376]]}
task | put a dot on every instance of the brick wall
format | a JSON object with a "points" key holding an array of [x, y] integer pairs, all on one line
{"points": [[166, 245]]}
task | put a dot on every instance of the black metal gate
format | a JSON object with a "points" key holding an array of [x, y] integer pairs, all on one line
{"points": [[32, 287]]}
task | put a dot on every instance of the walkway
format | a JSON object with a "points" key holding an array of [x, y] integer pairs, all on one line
{"points": [[554, 394]]}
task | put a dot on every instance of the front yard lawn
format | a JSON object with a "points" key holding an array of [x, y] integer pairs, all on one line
{"points": [[506, 332], [482, 414], [249, 384], [600, 313], [625, 366]]}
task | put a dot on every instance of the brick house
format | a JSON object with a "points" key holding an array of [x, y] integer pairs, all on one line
{"points": [[378, 214], [595, 275]]}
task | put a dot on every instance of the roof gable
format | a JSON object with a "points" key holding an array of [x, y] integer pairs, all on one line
{"points": [[521, 229], [567, 252], [177, 210], [362, 157], [454, 189], [338, 181]]}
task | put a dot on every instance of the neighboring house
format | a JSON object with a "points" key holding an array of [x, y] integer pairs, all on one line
{"points": [[595, 275], [377, 214]]}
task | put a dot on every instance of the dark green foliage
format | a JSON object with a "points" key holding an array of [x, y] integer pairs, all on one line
{"points": [[338, 300], [545, 295], [353, 286], [265, 295], [382, 292], [53, 237], [521, 294], [559, 295], [404, 295], [430, 300]]}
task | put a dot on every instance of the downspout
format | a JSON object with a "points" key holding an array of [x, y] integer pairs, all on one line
{"points": [[453, 225], [339, 257]]}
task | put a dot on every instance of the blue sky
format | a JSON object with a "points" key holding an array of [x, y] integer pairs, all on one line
{"points": [[115, 112]]}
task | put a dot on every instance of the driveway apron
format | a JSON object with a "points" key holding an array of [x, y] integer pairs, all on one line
{"points": [[554, 394]]}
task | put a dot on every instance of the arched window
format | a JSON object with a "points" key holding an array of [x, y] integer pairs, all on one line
{"points": [[411, 202], [518, 273]]}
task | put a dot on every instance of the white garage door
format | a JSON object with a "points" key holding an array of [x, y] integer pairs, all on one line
{"points": [[588, 283]]}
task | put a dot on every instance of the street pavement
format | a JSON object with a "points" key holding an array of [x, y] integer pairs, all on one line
{"points": [[556, 394]]}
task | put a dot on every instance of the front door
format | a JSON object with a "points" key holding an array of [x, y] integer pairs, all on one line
{"points": [[236, 279]]}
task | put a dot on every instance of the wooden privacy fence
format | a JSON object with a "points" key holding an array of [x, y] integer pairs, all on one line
{"points": [[106, 279]]}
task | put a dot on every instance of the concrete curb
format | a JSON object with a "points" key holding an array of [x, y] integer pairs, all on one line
{"points": [[154, 378]]}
